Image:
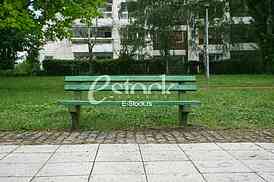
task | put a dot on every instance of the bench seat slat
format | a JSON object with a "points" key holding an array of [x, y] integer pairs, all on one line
{"points": [[155, 78], [69, 103], [135, 88]]}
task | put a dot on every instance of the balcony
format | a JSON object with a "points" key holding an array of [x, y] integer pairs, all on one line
{"points": [[82, 40]]}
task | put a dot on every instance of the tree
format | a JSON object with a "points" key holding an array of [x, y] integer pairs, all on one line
{"points": [[263, 13], [15, 25], [153, 22], [30, 23]]}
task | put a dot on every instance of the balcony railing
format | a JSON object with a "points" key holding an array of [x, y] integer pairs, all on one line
{"points": [[85, 40]]}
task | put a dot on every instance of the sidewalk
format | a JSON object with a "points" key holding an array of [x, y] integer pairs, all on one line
{"points": [[207, 162]]}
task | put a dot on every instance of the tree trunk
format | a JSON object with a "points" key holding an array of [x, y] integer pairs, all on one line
{"points": [[167, 60], [269, 42], [91, 44]]}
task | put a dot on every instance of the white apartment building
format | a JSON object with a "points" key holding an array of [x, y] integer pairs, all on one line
{"points": [[108, 39]]}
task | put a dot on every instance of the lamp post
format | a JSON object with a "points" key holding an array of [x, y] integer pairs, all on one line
{"points": [[206, 54]]}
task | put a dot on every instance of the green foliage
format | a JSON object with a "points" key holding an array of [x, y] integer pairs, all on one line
{"points": [[263, 14], [66, 67], [123, 65], [26, 24], [80, 67], [153, 22], [240, 63], [22, 69]]}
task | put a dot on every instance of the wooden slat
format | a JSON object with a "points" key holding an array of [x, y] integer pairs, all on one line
{"points": [[127, 103], [137, 87], [158, 78]]}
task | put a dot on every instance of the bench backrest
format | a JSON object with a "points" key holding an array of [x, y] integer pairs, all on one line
{"points": [[136, 83]]}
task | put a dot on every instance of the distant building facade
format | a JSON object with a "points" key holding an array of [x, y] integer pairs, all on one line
{"points": [[188, 42]]}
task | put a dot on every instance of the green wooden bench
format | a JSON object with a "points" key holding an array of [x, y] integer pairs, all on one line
{"points": [[128, 84]]}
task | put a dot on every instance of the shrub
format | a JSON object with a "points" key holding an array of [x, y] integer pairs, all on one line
{"points": [[22, 69], [66, 67], [83, 67], [241, 62], [6, 64], [123, 65]]}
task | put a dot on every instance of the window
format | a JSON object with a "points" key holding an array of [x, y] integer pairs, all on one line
{"points": [[123, 7], [242, 33], [178, 41], [123, 11], [108, 34], [102, 32], [214, 36], [80, 32], [238, 8]]}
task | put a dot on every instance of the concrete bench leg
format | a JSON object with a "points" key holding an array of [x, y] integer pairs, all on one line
{"points": [[75, 117], [183, 115]]}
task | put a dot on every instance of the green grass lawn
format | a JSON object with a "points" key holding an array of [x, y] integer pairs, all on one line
{"points": [[238, 101]]}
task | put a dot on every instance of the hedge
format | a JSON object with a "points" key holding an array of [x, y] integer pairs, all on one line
{"points": [[239, 64], [113, 67]]}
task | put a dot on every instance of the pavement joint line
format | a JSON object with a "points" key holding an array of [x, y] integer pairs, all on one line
{"points": [[229, 173], [53, 153], [254, 172], [192, 162], [17, 146], [260, 146], [94, 161], [262, 177], [144, 167]]}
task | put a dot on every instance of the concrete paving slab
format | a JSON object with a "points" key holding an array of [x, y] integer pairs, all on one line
{"points": [[233, 177], [119, 147], [269, 177], [118, 156], [170, 168], [176, 178], [253, 155], [7, 148], [66, 169], [118, 168], [200, 146], [78, 148], [61, 179], [36, 149], [19, 170], [159, 147], [2, 155], [222, 162], [15, 179], [26, 158], [118, 178], [161, 155], [231, 166], [239, 146], [267, 146], [260, 165], [214, 155], [73, 157]]}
